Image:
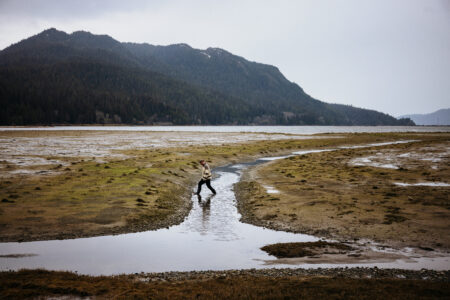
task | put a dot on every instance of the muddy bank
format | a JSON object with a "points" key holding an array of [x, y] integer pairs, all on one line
{"points": [[310, 249], [358, 283], [354, 194]]}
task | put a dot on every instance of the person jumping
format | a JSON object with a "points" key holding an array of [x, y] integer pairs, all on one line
{"points": [[206, 178]]}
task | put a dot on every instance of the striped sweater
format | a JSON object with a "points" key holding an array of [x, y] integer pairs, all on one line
{"points": [[206, 172]]}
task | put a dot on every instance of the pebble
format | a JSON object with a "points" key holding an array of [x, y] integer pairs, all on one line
{"points": [[358, 272]]}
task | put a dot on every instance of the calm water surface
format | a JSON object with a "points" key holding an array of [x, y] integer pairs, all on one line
{"points": [[267, 129]]}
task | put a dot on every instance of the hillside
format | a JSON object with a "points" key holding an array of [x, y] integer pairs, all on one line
{"points": [[439, 117], [59, 78]]}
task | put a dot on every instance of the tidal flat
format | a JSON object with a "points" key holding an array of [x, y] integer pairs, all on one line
{"points": [[394, 194], [69, 184], [62, 185]]}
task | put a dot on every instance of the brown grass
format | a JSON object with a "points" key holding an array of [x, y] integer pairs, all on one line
{"points": [[149, 190], [39, 283], [322, 194]]}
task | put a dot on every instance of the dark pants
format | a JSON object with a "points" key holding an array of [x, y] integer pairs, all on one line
{"points": [[208, 184]]}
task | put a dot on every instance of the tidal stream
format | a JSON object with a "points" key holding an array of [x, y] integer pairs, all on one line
{"points": [[210, 238]]}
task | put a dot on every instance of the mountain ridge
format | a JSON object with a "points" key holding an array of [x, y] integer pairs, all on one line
{"points": [[210, 86], [439, 117]]}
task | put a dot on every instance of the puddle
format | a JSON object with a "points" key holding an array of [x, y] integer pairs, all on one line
{"points": [[210, 238], [271, 189], [373, 161], [434, 184], [379, 144], [395, 159]]}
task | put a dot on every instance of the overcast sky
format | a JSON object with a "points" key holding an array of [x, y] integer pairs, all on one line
{"points": [[389, 55]]}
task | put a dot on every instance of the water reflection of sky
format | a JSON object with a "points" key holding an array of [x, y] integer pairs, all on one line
{"points": [[211, 237], [237, 129]]}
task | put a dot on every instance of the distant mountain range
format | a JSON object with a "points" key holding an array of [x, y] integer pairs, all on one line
{"points": [[439, 117], [81, 78]]}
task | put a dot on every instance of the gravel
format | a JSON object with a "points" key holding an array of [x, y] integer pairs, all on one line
{"points": [[359, 272]]}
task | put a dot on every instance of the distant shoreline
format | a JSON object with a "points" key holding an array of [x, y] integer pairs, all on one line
{"points": [[197, 125], [276, 129]]}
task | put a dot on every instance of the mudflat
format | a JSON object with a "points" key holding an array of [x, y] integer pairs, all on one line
{"points": [[121, 188], [396, 194], [69, 184]]}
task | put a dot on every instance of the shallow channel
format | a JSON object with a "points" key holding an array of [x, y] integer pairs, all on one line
{"points": [[210, 238]]}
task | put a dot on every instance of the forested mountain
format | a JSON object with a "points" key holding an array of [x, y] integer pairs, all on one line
{"points": [[59, 78], [439, 117]]}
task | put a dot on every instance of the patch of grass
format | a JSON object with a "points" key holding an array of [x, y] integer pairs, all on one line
{"points": [[270, 216], [393, 218]]}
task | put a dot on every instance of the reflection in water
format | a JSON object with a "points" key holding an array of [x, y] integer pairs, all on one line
{"points": [[216, 215], [210, 238], [206, 211]]}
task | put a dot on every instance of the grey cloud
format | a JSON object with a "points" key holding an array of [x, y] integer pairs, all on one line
{"points": [[392, 56], [60, 9]]}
